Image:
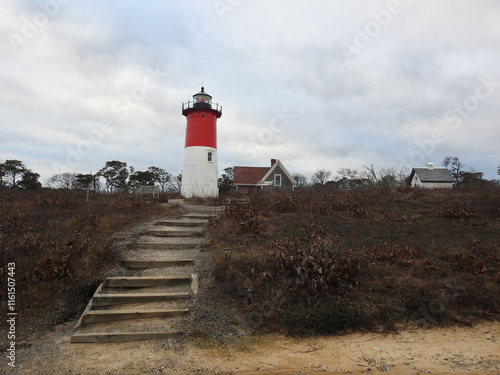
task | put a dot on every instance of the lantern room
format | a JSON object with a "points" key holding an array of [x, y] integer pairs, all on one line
{"points": [[202, 99]]}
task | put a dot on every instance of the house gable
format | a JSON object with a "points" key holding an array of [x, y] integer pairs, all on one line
{"points": [[263, 177], [286, 179]]}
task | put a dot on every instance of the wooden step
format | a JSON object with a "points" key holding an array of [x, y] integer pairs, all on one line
{"points": [[209, 209], [121, 337], [200, 216], [99, 316], [174, 233], [183, 223], [165, 245], [112, 299], [144, 282], [129, 263]]}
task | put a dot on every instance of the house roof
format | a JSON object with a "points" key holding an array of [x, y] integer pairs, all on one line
{"points": [[252, 175], [249, 175], [433, 175]]}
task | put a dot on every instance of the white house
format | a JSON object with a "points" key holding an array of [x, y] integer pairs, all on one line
{"points": [[431, 177]]}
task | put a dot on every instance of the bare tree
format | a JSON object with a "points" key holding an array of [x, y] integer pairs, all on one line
{"points": [[321, 176], [300, 180], [370, 173], [388, 177], [454, 165], [176, 183], [385, 177], [352, 179], [62, 181], [403, 175], [349, 173]]}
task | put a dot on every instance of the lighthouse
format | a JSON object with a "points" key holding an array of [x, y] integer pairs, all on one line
{"points": [[199, 173]]}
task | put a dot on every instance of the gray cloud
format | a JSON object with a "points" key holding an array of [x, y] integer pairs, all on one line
{"points": [[87, 65]]}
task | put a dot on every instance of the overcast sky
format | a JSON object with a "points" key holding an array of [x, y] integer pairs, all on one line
{"points": [[318, 84]]}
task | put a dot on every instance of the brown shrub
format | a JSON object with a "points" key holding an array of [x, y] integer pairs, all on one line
{"points": [[455, 209], [480, 256], [353, 203], [361, 259], [317, 266], [60, 244]]}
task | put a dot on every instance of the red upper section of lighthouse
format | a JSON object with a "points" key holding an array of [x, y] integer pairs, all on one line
{"points": [[201, 129], [202, 115]]}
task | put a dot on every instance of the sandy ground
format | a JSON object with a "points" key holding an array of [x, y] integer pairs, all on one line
{"points": [[437, 351], [450, 350]]}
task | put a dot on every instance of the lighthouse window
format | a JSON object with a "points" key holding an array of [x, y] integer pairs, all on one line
{"points": [[209, 156], [202, 99], [277, 180]]}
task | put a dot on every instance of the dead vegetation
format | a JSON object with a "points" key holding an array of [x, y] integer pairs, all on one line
{"points": [[61, 246], [321, 263]]}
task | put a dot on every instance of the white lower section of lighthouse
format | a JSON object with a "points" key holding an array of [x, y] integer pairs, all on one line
{"points": [[199, 174]]}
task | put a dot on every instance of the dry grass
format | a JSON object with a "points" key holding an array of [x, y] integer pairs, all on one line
{"points": [[61, 245], [336, 261]]}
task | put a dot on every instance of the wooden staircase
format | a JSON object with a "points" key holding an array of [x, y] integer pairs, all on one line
{"points": [[143, 306]]}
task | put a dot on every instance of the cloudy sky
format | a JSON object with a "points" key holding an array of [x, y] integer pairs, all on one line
{"points": [[318, 84]]}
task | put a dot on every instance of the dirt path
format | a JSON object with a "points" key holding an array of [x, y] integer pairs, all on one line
{"points": [[438, 351], [216, 347]]}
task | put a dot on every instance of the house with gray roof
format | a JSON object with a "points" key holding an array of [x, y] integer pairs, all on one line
{"points": [[431, 177]]}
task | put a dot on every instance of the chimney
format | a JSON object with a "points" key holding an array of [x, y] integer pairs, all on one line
{"points": [[273, 161], [430, 166]]}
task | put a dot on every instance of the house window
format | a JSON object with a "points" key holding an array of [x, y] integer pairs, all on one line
{"points": [[277, 180], [209, 156]]}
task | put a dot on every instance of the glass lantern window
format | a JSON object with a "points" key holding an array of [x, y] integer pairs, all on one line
{"points": [[202, 99]]}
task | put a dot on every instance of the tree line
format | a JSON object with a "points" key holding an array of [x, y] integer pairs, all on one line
{"points": [[118, 176], [114, 176], [13, 173], [349, 178]]}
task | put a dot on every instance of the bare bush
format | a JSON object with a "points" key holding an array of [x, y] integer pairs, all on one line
{"points": [[61, 243], [368, 259]]}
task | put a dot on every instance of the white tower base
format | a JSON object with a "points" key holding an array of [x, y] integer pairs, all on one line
{"points": [[199, 175]]}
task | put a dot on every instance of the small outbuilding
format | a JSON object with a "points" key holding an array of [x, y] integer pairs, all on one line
{"points": [[431, 177], [274, 177]]}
